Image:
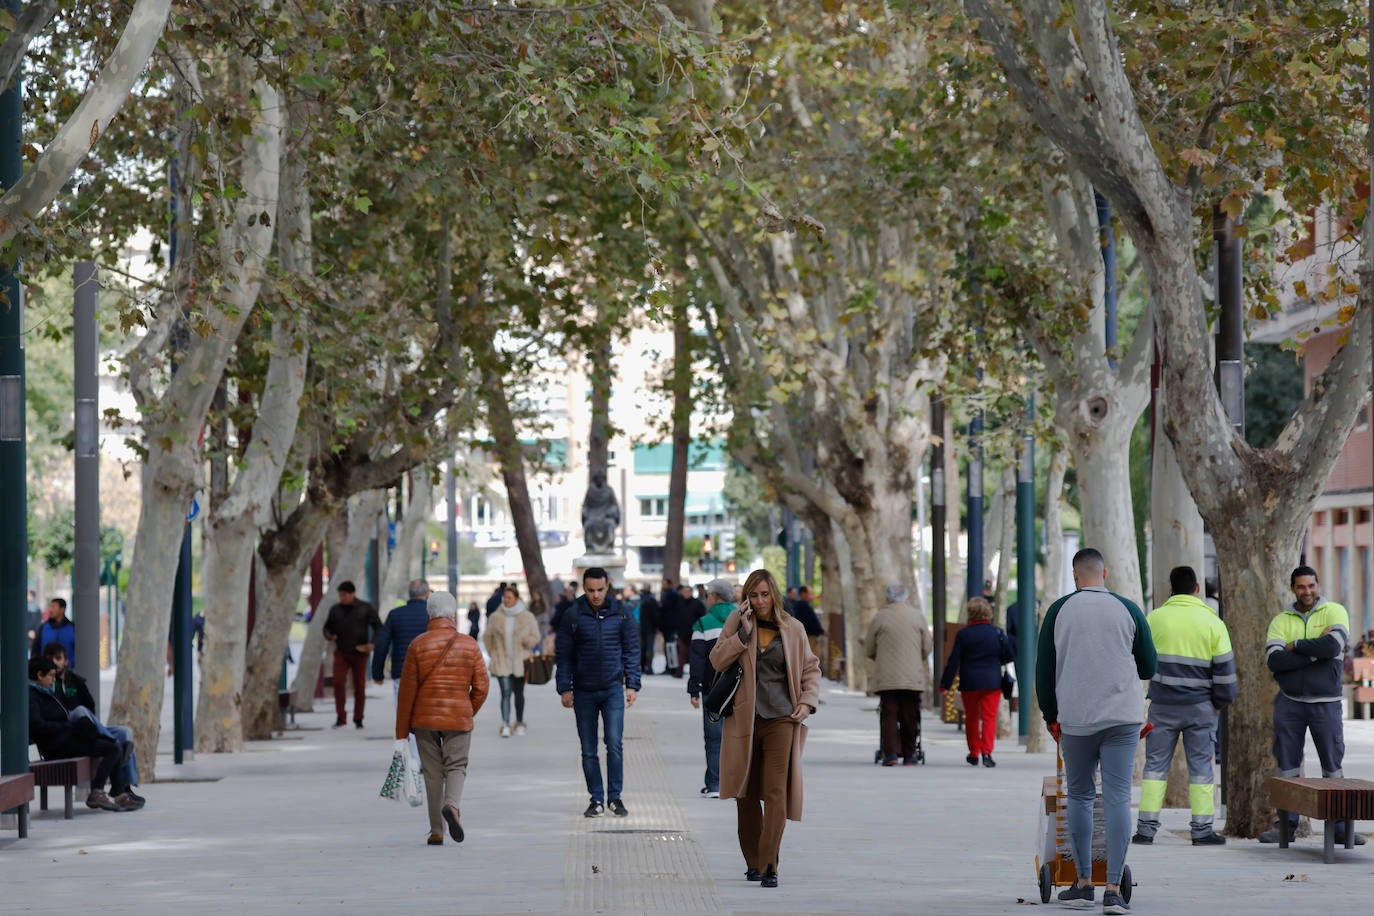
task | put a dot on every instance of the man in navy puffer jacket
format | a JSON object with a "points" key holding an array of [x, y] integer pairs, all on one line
{"points": [[597, 651]]}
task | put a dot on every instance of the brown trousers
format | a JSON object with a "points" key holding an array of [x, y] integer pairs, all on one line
{"points": [[444, 761], [762, 812], [899, 716]]}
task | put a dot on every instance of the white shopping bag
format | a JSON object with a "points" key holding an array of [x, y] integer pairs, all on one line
{"points": [[403, 777]]}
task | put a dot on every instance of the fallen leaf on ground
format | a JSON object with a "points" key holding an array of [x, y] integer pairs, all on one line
{"points": [[1297, 878]]}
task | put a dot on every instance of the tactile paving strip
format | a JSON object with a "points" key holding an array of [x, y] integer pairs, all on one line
{"points": [[648, 862]]}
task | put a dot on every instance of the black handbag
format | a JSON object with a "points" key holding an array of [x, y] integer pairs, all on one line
{"points": [[1008, 683], [720, 696]]}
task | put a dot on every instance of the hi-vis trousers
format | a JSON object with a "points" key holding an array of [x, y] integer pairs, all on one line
{"points": [[1196, 725]]}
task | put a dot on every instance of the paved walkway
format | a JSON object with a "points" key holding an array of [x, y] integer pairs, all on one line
{"points": [[296, 826]]}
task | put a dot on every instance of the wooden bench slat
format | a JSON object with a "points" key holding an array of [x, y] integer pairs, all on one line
{"points": [[1325, 799], [15, 790]]}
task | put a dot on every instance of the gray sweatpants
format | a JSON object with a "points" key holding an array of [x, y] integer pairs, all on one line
{"points": [[1196, 724], [1114, 749], [444, 761]]}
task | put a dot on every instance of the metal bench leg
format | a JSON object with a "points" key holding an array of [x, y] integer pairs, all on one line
{"points": [[43, 798], [1283, 828], [23, 820], [1349, 834], [67, 802], [1328, 841]]}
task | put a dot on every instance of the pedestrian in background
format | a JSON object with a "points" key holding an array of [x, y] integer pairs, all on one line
{"points": [[805, 611], [898, 641], [693, 609], [443, 685], [977, 656], [1094, 650], [394, 637], [761, 742], [649, 611], [350, 627], [511, 634], [671, 615], [705, 632], [1194, 680], [474, 619], [57, 628]]}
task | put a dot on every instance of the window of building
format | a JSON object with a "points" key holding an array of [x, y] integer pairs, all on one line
{"points": [[653, 506], [1342, 516], [1318, 519], [1362, 420], [1363, 516], [1343, 573]]}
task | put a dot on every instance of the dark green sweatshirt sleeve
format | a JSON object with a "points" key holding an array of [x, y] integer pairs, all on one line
{"points": [[1146, 661], [1045, 665]]}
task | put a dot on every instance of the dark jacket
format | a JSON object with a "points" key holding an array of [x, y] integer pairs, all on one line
{"points": [[979, 652], [64, 633], [402, 625], [494, 601], [804, 612], [72, 691], [705, 632], [693, 610], [670, 614], [474, 623], [596, 650], [352, 624], [56, 736], [648, 615]]}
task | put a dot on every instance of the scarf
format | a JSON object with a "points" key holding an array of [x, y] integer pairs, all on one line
{"points": [[512, 612]]}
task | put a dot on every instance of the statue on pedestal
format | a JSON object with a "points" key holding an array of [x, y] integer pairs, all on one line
{"points": [[600, 516]]}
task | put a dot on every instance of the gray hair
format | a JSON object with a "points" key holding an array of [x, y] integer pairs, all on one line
{"points": [[419, 588], [896, 594], [443, 604], [723, 589]]}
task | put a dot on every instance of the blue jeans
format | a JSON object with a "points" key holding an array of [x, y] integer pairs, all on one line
{"points": [[609, 706], [122, 734], [1114, 748], [711, 732]]}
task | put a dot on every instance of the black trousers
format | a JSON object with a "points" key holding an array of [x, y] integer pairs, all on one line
{"points": [[899, 715]]}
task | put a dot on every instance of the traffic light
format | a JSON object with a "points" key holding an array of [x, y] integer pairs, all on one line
{"points": [[434, 549], [706, 546]]}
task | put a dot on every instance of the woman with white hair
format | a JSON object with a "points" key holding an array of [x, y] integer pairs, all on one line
{"points": [[898, 641], [720, 595], [443, 685]]}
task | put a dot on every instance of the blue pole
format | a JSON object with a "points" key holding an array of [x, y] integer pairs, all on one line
{"points": [[1025, 572], [976, 567], [183, 712]]}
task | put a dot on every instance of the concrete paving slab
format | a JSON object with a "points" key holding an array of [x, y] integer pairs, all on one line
{"points": [[296, 826]]}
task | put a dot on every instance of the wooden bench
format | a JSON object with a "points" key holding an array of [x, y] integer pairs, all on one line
{"points": [[67, 773], [16, 792], [1329, 800]]}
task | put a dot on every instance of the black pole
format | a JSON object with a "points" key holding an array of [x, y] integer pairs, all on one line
{"points": [[1230, 378], [452, 529], [183, 706], [939, 597], [975, 507], [1107, 241], [86, 555], [14, 532]]}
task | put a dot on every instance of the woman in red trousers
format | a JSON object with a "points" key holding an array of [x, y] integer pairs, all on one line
{"points": [[979, 652]]}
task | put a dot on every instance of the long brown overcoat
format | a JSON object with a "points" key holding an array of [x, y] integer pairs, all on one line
{"points": [[737, 735]]}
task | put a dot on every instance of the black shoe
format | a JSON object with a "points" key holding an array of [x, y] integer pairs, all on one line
{"points": [[340, 723], [595, 809], [617, 807], [1272, 836], [1141, 839], [1080, 898], [455, 829], [359, 723], [753, 874], [972, 760], [1340, 839], [1211, 839], [769, 879], [1113, 905], [988, 761]]}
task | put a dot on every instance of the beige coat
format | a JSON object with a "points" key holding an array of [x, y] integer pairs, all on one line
{"points": [[898, 641], [737, 735], [499, 660]]}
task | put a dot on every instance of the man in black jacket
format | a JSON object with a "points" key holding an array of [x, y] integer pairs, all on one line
{"points": [[59, 736], [670, 613], [350, 626], [648, 628], [73, 693]]}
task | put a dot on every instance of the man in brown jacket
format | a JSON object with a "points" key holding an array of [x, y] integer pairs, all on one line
{"points": [[443, 684], [898, 641]]}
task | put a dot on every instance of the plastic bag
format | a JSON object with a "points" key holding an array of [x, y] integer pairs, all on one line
{"points": [[403, 777]]}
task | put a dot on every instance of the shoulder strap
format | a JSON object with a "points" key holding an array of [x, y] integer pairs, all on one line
{"points": [[442, 656]]}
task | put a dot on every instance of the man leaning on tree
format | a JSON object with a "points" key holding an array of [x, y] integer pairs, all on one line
{"points": [[1195, 679], [1305, 648]]}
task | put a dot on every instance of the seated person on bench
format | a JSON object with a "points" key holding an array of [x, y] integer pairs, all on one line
{"points": [[73, 693], [59, 737]]}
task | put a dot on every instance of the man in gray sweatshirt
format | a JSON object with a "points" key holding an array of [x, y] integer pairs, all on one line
{"points": [[1094, 650]]}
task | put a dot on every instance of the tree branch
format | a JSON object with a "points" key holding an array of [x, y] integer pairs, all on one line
{"points": [[33, 20]]}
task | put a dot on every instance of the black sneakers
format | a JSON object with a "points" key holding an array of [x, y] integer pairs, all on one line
{"points": [[1211, 839], [595, 809], [617, 807], [752, 874], [988, 761], [339, 723], [1141, 839], [455, 829], [770, 878], [1113, 904], [1078, 897]]}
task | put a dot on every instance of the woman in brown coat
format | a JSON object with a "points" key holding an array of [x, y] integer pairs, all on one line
{"points": [[443, 684], [761, 743]]}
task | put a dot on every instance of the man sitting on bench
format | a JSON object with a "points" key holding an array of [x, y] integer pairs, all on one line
{"points": [[73, 693], [59, 737]]}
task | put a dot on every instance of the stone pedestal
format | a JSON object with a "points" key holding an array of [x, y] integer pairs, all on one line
{"points": [[612, 563]]}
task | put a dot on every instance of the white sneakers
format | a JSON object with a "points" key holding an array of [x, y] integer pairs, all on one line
{"points": [[505, 731], [520, 728]]}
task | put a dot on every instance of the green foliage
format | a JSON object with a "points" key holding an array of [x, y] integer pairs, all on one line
{"points": [[692, 549], [1273, 391], [53, 540], [775, 561]]}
